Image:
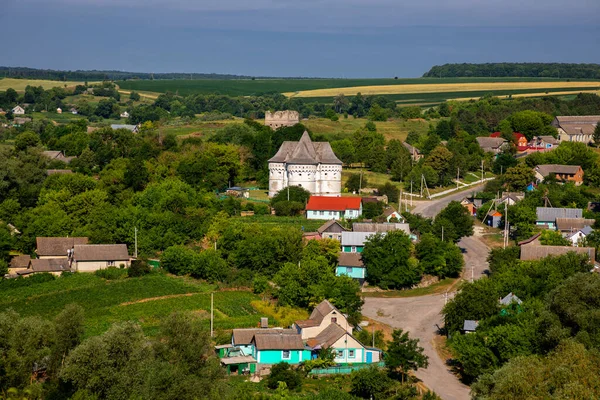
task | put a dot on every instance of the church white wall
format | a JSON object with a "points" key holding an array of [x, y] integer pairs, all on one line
{"points": [[323, 179]]}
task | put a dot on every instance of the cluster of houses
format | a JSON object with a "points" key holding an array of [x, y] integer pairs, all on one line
{"points": [[255, 350], [56, 255], [495, 143]]}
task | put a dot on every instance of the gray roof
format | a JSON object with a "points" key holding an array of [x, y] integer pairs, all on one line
{"points": [[281, 341], [57, 155], [470, 325], [411, 149], [586, 230], [570, 224], [534, 252], [50, 265], [490, 142], [577, 119], [131, 128], [549, 139], [238, 360], [321, 310], [547, 169], [100, 252], [350, 260], [551, 214], [58, 172], [373, 227], [356, 238], [244, 336], [57, 246], [509, 298], [305, 152]]}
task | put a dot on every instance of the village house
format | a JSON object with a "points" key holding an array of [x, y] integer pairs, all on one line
{"points": [[518, 139], [19, 121], [469, 205], [546, 216], [278, 119], [573, 224], [323, 207], [348, 350], [492, 144], [54, 266], [562, 173], [332, 230], [321, 317], [18, 263], [132, 128], [18, 110], [354, 242], [237, 191], [59, 110], [124, 114], [312, 166], [544, 143], [273, 349], [73, 111], [578, 128], [577, 237], [57, 247], [390, 212], [509, 299], [351, 265], [470, 326], [531, 252], [55, 155], [511, 198], [92, 257], [415, 154]]}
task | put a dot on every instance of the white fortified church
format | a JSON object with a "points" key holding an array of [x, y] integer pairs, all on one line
{"points": [[312, 166]]}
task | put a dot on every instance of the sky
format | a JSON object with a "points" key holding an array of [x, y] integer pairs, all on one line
{"points": [[308, 38]]}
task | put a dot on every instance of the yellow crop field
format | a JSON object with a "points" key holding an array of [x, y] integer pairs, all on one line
{"points": [[441, 88], [20, 84]]}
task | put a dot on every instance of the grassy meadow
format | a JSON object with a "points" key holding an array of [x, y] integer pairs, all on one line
{"points": [[391, 129], [145, 300]]}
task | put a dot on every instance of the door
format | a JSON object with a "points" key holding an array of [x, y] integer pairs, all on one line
{"points": [[369, 356]]}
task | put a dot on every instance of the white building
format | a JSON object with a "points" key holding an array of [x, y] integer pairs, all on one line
{"points": [[313, 166], [18, 110], [92, 257]]}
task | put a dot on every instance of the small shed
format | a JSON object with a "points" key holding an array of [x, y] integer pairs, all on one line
{"points": [[470, 326], [495, 220]]}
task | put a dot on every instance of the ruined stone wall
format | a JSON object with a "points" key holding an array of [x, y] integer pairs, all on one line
{"points": [[278, 119]]}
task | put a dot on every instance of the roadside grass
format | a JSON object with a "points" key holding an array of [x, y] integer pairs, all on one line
{"points": [[145, 300], [440, 287], [372, 179]]}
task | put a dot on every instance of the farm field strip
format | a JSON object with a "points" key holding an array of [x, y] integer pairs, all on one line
{"points": [[538, 94], [20, 84], [440, 88]]}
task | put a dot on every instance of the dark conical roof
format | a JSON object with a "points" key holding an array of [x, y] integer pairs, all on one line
{"points": [[305, 152]]}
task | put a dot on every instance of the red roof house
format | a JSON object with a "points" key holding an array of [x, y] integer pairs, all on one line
{"points": [[323, 207], [518, 138]]}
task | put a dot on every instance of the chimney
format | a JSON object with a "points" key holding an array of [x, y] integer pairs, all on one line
{"points": [[264, 323]]}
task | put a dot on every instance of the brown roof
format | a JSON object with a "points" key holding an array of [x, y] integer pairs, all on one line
{"points": [[411, 149], [534, 252], [578, 119], [530, 240], [547, 169], [306, 323], [329, 224], [321, 310], [58, 172], [327, 337], [490, 142], [569, 224], [305, 152], [100, 252], [350, 260], [57, 246], [57, 155], [389, 211], [49, 265], [549, 139], [278, 342], [20, 261], [244, 336]]}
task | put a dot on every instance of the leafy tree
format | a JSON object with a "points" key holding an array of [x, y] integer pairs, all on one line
{"points": [[388, 261], [474, 301], [25, 140], [413, 138], [389, 190], [439, 258], [296, 194], [68, 334], [456, 221], [355, 182], [473, 357], [378, 113], [439, 159], [503, 162], [597, 134], [370, 383], [344, 150], [282, 372], [136, 175], [553, 238], [288, 208], [372, 209], [517, 178], [135, 96], [138, 268], [107, 108], [404, 354]]}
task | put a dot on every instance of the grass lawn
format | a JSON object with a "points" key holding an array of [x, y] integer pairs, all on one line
{"points": [[300, 222], [63, 118], [145, 300], [372, 179], [197, 128], [440, 287]]}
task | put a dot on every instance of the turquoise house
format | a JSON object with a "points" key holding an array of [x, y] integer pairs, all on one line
{"points": [[351, 265], [273, 349], [348, 350], [354, 242], [243, 339]]}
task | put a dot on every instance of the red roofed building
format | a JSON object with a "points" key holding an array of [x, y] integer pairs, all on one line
{"points": [[323, 207], [518, 138]]}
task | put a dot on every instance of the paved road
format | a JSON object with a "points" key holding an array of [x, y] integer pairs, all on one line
{"points": [[432, 208]]}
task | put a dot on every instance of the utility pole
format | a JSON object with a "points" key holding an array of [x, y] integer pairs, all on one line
{"points": [[457, 177], [288, 191], [505, 224], [373, 329], [442, 233], [400, 201], [481, 171], [360, 182], [135, 254], [212, 313], [411, 195]]}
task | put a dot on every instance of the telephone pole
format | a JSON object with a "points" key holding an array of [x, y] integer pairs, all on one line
{"points": [[135, 254], [212, 313]]}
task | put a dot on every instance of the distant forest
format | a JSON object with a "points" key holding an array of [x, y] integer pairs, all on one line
{"points": [[94, 75], [521, 70]]}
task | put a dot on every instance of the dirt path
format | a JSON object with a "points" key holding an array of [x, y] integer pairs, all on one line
{"points": [[169, 296], [421, 317], [432, 208]]}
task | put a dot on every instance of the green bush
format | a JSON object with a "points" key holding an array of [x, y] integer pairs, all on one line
{"points": [[282, 372], [138, 268], [111, 273]]}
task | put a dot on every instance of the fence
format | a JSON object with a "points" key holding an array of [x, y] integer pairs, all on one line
{"points": [[343, 369]]}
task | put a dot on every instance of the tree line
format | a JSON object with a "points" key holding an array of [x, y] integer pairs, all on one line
{"points": [[521, 70]]}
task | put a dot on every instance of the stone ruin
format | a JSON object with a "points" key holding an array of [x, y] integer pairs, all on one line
{"points": [[278, 119]]}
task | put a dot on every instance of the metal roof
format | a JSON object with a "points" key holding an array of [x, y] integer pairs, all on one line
{"points": [[356, 238], [551, 213]]}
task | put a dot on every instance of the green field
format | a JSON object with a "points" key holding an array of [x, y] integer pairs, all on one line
{"points": [[391, 129], [247, 87], [145, 300]]}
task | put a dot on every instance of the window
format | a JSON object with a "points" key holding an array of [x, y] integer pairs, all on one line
{"points": [[350, 353], [348, 270], [286, 355], [110, 263], [321, 212], [340, 354], [334, 320], [353, 249]]}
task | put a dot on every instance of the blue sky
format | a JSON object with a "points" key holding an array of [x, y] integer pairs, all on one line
{"points": [[324, 38]]}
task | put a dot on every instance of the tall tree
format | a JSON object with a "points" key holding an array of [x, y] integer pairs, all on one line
{"points": [[404, 354]]}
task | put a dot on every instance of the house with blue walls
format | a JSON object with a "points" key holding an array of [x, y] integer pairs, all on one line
{"points": [[242, 339], [336, 208], [348, 350], [351, 265], [546, 216], [323, 315], [285, 347]]}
